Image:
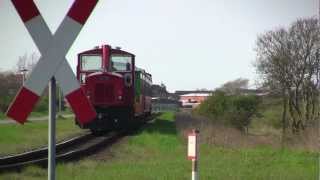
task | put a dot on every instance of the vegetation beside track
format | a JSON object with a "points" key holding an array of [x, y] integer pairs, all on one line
{"points": [[17, 138], [2, 116], [159, 152]]}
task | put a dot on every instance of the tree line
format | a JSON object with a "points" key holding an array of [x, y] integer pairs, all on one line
{"points": [[288, 62], [12, 80]]}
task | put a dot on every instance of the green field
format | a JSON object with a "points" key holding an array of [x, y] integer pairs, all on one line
{"points": [[16, 138], [158, 152]]}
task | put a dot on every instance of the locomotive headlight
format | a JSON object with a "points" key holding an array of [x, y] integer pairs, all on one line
{"points": [[120, 97]]}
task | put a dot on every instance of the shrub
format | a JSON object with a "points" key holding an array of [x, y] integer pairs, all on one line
{"points": [[234, 110], [242, 109]]}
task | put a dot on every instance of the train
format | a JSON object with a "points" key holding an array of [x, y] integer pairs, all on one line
{"points": [[119, 91]]}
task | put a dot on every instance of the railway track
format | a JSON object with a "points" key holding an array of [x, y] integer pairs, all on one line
{"points": [[72, 149]]}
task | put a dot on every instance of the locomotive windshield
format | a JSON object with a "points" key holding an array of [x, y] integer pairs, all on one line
{"points": [[91, 62], [120, 62]]}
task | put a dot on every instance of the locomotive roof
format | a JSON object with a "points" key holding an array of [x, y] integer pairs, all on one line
{"points": [[142, 70], [99, 50]]}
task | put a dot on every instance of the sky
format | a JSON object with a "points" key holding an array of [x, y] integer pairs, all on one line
{"points": [[185, 44]]}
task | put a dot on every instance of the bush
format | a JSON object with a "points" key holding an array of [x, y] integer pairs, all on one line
{"points": [[234, 110], [242, 110], [215, 106], [42, 104]]}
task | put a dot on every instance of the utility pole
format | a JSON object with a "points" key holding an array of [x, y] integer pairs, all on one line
{"points": [[23, 71]]}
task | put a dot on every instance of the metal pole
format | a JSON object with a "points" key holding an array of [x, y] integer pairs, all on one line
{"points": [[52, 130], [194, 174], [194, 169], [23, 77]]}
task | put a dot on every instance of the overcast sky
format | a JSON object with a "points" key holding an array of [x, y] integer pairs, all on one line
{"points": [[186, 44]]}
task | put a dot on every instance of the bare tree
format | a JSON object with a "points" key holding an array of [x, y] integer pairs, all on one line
{"points": [[288, 62], [22, 62], [11, 80], [32, 61], [26, 63], [8, 88], [234, 87]]}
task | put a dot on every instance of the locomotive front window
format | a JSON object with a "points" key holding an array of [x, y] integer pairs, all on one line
{"points": [[91, 62], [120, 62]]}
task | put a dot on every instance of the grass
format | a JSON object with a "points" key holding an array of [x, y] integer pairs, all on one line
{"points": [[39, 114], [45, 113], [2, 116], [33, 114], [18, 138], [159, 152], [259, 163]]}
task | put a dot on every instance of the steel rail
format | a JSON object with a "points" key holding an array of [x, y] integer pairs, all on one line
{"points": [[68, 154], [42, 152], [68, 150]]}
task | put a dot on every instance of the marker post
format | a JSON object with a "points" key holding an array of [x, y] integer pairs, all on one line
{"points": [[193, 152]]}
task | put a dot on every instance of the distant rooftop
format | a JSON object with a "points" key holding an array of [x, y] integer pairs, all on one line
{"points": [[195, 94], [190, 92]]}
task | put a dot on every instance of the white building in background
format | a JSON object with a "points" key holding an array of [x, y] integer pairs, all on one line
{"points": [[193, 99]]}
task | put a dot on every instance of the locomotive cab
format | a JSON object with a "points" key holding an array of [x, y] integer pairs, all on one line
{"points": [[119, 91], [107, 77]]}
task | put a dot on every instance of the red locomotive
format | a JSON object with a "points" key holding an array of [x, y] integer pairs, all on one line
{"points": [[119, 91]]}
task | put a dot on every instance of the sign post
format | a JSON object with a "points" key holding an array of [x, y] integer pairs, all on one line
{"points": [[52, 66], [53, 48], [193, 152], [52, 130]]}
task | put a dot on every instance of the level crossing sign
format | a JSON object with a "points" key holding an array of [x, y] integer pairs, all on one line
{"points": [[53, 48]]}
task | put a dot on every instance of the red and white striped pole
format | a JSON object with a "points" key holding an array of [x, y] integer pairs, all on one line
{"points": [[193, 141]]}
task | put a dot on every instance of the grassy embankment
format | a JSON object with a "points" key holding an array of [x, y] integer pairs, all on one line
{"points": [[159, 152], [18, 138]]}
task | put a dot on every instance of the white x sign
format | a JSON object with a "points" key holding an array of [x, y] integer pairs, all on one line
{"points": [[52, 63]]}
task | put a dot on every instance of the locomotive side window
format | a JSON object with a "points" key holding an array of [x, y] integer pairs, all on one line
{"points": [[91, 62], [120, 62]]}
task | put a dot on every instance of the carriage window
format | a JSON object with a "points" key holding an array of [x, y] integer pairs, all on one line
{"points": [[91, 62], [120, 62]]}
